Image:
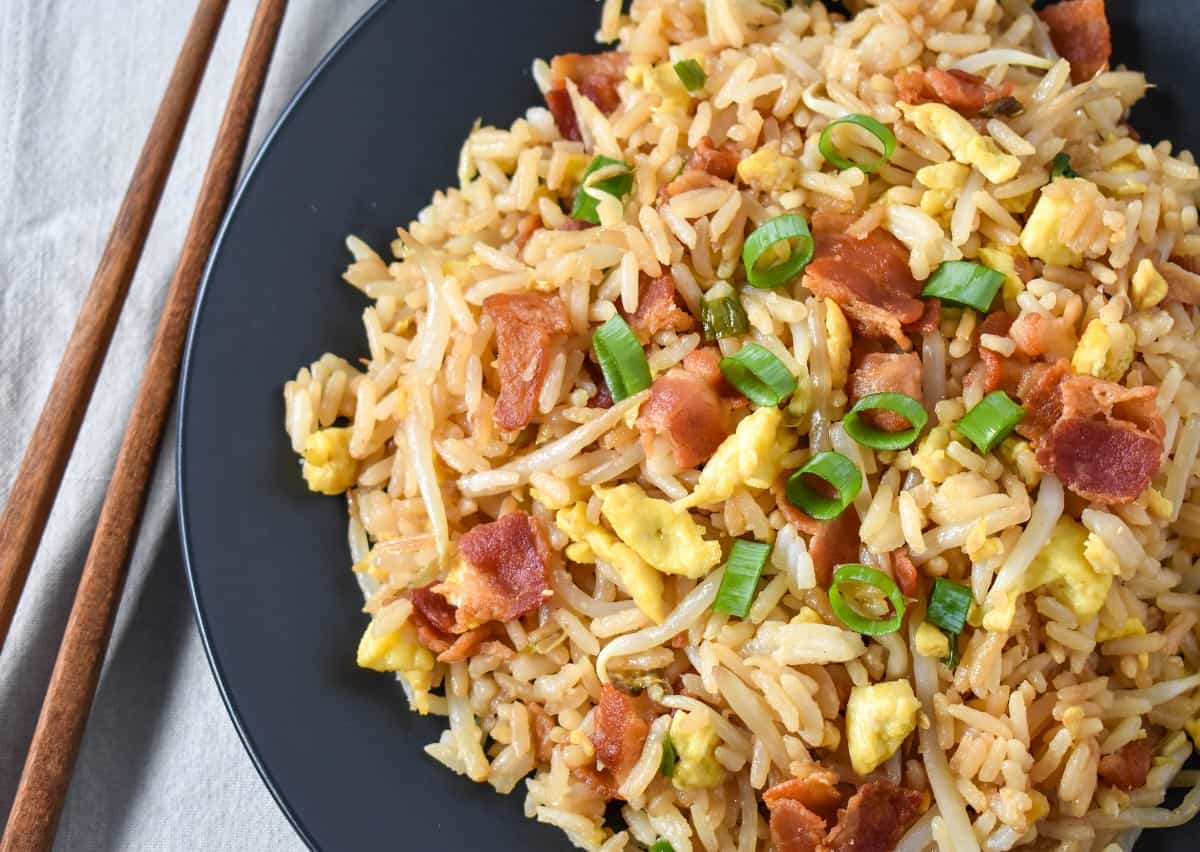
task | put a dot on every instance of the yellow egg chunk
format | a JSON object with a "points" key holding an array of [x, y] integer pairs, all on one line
{"points": [[641, 582], [837, 334], [666, 537], [695, 741], [1147, 287], [328, 466], [967, 145], [1105, 350], [879, 719], [1003, 260], [767, 170], [751, 456], [400, 652], [931, 642], [1063, 568], [1040, 239], [1193, 729]]}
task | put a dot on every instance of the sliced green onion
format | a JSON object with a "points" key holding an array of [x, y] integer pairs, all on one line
{"points": [[690, 74], [830, 151], [722, 314], [991, 420], [879, 439], [963, 282], [951, 660], [838, 471], [948, 605], [759, 375], [740, 583], [661, 845], [669, 758], [790, 226], [1061, 167], [871, 577], [622, 359], [585, 205]]}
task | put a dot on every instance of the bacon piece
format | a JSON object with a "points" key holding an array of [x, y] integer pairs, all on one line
{"points": [[1183, 280], [622, 724], [467, 644], [1042, 334], [1105, 462], [836, 543], [997, 323], [814, 786], [659, 308], [802, 521], [1039, 388], [875, 818], [558, 101], [596, 75], [542, 726], [1085, 396], [1127, 767], [688, 180], [904, 572], [959, 90], [602, 398], [719, 162], [930, 319], [529, 223], [868, 278], [794, 828], [881, 372], [569, 224], [686, 407], [527, 327], [1079, 30], [434, 618], [504, 572]]}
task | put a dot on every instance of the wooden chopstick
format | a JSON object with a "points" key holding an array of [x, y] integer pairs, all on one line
{"points": [[37, 481], [48, 765]]}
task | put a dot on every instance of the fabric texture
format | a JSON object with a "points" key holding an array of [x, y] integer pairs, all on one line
{"points": [[161, 767]]}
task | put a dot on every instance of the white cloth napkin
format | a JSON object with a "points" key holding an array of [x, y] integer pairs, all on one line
{"points": [[161, 766]]}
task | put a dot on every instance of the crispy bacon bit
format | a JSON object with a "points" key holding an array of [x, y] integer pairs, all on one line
{"points": [[1039, 388], [558, 101], [794, 828], [596, 75], [836, 543], [1042, 334], [814, 787], [688, 407], [930, 319], [504, 574], [719, 162], [997, 323], [904, 572], [659, 308], [879, 373], [1085, 396], [875, 818], [602, 398], [1183, 280], [466, 645], [543, 724], [691, 179], [622, 723], [527, 327], [869, 278], [800, 520], [959, 90], [434, 619], [1079, 30], [1127, 768], [529, 223]]}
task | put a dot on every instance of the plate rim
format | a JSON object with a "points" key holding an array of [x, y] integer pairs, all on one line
{"points": [[181, 503]]}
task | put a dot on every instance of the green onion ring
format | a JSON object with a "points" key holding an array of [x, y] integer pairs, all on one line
{"points": [[879, 439], [838, 471], [877, 129], [854, 573], [990, 420], [759, 375], [739, 584], [790, 226], [622, 359], [963, 282]]}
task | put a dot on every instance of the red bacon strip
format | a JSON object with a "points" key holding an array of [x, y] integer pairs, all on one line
{"points": [[686, 407], [596, 74], [622, 724], [1128, 767], [868, 278], [659, 308], [959, 90], [879, 372], [815, 787], [528, 325], [794, 828], [904, 572], [558, 101], [720, 162], [1080, 32], [875, 818]]}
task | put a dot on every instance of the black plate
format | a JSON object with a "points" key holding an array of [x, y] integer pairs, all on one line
{"points": [[374, 131]]}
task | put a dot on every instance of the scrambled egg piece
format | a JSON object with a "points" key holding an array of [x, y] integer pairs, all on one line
{"points": [[661, 80], [1193, 729], [399, 651], [1063, 567], [1131, 627], [1018, 454], [751, 456], [667, 538], [328, 467], [1002, 260], [1100, 556], [1040, 239], [879, 719], [1158, 505], [592, 542], [931, 642], [943, 183], [966, 144], [837, 332], [931, 459], [695, 742], [1105, 350], [1147, 287], [807, 615], [767, 170]]}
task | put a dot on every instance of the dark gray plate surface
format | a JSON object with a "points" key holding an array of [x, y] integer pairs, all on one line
{"points": [[370, 136]]}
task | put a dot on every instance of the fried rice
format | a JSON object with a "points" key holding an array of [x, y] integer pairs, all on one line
{"points": [[543, 528]]}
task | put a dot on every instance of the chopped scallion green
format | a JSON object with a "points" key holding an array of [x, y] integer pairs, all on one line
{"points": [[991, 420], [722, 314], [759, 375], [963, 282], [742, 571], [1061, 166], [879, 439], [841, 473], [622, 359], [880, 131], [690, 74], [790, 226], [617, 185], [669, 758], [948, 605], [661, 845], [840, 589]]}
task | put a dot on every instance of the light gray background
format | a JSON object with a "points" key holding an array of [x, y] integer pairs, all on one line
{"points": [[161, 766]]}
